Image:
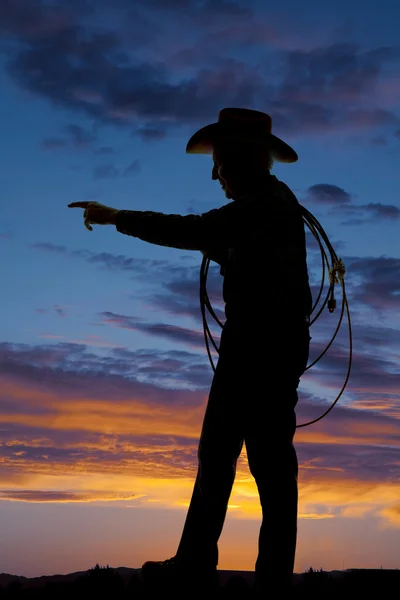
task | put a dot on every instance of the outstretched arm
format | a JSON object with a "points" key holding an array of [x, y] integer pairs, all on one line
{"points": [[216, 229], [212, 230], [188, 232]]}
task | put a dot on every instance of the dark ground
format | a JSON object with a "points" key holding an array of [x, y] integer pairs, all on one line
{"points": [[123, 583]]}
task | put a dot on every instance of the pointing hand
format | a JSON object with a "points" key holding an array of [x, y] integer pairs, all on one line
{"points": [[96, 213]]}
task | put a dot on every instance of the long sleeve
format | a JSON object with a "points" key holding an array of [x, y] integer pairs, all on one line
{"points": [[217, 228], [221, 228], [256, 240]]}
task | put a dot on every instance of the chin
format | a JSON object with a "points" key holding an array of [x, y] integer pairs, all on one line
{"points": [[225, 190]]}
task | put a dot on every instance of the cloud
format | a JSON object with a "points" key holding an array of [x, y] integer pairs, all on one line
{"points": [[133, 168], [119, 262], [132, 77], [80, 136], [379, 211], [326, 193], [76, 137], [173, 333], [362, 214], [151, 366], [109, 171], [46, 496], [74, 422], [178, 292], [379, 284], [343, 70], [174, 278], [60, 311], [27, 19], [371, 283], [340, 203], [106, 171], [58, 249], [151, 134], [54, 386]]}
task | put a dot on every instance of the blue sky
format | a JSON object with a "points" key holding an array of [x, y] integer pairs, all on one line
{"points": [[103, 369]]}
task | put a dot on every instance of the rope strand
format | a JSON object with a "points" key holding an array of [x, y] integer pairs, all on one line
{"points": [[336, 275]]}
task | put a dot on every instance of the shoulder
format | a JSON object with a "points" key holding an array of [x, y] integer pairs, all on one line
{"points": [[283, 190]]}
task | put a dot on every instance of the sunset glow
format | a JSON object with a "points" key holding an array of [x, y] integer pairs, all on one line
{"points": [[104, 374]]}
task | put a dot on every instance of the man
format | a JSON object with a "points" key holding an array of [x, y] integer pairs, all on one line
{"points": [[259, 241]]}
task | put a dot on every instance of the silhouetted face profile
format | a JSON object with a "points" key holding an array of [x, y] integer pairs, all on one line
{"points": [[240, 167]]}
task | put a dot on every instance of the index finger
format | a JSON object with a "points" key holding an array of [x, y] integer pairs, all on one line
{"points": [[78, 205]]}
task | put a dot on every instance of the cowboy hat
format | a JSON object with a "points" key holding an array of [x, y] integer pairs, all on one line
{"points": [[240, 125]]}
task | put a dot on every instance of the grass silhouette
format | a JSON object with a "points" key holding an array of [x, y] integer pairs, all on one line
{"points": [[124, 583]]}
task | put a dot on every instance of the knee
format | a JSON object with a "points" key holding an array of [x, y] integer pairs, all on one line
{"points": [[279, 463], [216, 455], [215, 460], [216, 465]]}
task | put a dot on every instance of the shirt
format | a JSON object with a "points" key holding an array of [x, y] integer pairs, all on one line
{"points": [[259, 241]]}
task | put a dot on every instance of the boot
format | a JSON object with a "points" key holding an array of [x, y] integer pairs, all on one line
{"points": [[177, 569]]}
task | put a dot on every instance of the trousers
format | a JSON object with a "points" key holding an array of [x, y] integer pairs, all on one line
{"points": [[252, 401]]}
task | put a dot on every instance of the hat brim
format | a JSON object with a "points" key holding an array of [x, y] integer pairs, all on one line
{"points": [[204, 140]]}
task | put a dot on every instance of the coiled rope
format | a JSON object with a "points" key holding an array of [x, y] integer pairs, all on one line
{"points": [[336, 273]]}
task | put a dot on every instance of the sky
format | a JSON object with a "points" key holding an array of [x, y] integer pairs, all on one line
{"points": [[104, 373]]}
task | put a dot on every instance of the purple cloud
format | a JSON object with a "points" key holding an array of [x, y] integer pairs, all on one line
{"points": [[326, 193], [30, 20], [107, 171], [379, 287], [76, 137], [99, 74], [179, 293], [163, 330], [60, 311], [379, 211], [340, 202], [138, 372], [52, 377], [120, 262]]}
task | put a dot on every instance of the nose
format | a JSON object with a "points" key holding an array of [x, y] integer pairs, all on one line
{"points": [[215, 172]]}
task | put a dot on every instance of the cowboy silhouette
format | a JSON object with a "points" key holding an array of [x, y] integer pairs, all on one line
{"points": [[258, 239]]}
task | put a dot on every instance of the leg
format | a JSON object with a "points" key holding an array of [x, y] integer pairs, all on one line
{"points": [[270, 430], [220, 446], [273, 464]]}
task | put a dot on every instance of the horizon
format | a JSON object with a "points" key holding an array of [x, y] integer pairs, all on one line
{"points": [[249, 572], [104, 374]]}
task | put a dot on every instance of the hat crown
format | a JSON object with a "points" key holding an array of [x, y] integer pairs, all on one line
{"points": [[244, 126], [245, 117]]}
